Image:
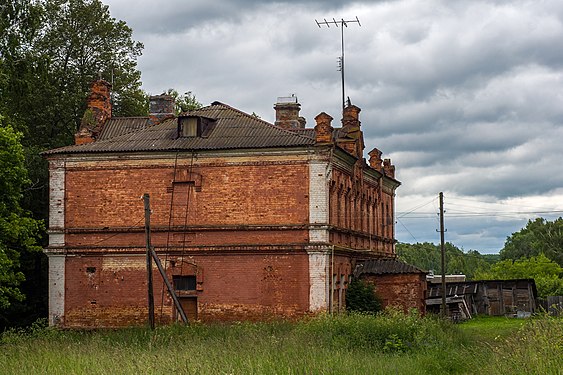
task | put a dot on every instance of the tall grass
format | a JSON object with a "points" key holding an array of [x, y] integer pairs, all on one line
{"points": [[390, 343]]}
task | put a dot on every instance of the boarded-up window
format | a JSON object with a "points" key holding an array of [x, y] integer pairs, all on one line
{"points": [[184, 282]]}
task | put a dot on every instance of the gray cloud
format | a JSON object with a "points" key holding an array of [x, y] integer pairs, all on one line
{"points": [[465, 97]]}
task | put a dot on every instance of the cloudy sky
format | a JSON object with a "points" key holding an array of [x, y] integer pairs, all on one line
{"points": [[465, 97]]}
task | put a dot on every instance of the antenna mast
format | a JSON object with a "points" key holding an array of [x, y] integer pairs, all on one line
{"points": [[342, 24]]}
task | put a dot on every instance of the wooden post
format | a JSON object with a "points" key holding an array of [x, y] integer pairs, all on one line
{"points": [[443, 257], [146, 199], [169, 286]]}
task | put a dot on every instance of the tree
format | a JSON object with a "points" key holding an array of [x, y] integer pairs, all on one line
{"points": [[547, 274], [427, 256], [185, 102], [540, 236], [50, 52], [18, 231]]}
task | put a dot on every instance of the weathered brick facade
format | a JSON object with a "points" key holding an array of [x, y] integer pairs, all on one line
{"points": [[402, 291], [265, 223]]}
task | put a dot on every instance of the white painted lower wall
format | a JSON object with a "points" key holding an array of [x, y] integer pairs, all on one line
{"points": [[56, 289], [318, 280]]}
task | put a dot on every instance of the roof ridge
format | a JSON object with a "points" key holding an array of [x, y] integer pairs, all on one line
{"points": [[218, 103]]}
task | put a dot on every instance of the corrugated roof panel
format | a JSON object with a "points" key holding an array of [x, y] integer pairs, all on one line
{"points": [[385, 266], [233, 129], [122, 125]]}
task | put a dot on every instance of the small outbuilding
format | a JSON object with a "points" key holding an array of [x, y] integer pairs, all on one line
{"points": [[397, 283]]}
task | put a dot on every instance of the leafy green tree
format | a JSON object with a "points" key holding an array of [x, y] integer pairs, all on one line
{"points": [[50, 52], [427, 256], [185, 102], [540, 236], [547, 274], [18, 231], [362, 297]]}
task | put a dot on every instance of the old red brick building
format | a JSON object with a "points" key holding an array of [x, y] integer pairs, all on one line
{"points": [[250, 219]]}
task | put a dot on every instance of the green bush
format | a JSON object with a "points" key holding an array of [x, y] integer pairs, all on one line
{"points": [[361, 297]]}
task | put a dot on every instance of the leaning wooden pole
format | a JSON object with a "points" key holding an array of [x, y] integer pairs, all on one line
{"points": [[443, 255], [169, 287], [146, 199]]}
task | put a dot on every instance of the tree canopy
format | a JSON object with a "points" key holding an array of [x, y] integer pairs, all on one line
{"points": [[427, 256], [184, 102], [547, 274], [50, 52], [540, 236], [18, 231]]}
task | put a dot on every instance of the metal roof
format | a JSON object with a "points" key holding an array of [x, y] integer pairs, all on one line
{"points": [[384, 266], [233, 129], [117, 126]]}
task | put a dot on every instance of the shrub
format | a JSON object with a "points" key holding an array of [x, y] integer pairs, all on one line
{"points": [[361, 297]]}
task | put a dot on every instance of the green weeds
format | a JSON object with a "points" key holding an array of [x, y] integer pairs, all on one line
{"points": [[387, 343]]}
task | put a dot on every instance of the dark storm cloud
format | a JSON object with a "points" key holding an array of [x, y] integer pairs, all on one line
{"points": [[464, 96], [163, 17]]}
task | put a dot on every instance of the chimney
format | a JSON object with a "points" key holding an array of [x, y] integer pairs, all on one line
{"points": [[98, 111], [389, 168], [323, 129], [351, 138], [375, 160], [287, 113], [161, 107]]}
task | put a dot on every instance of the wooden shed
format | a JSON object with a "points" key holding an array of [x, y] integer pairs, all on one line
{"points": [[486, 297]]}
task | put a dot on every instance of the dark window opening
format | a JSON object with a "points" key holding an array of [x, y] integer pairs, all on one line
{"points": [[184, 282], [90, 269]]}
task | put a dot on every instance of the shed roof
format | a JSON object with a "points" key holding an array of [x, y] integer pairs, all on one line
{"points": [[385, 266], [233, 129]]}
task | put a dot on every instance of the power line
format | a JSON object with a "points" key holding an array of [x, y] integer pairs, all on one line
{"points": [[408, 231]]}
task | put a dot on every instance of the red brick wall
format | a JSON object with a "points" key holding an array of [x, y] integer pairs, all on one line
{"points": [[230, 287], [230, 206], [359, 209], [243, 195], [406, 291]]}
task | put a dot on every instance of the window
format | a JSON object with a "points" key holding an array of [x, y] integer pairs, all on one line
{"points": [[184, 282], [190, 126]]}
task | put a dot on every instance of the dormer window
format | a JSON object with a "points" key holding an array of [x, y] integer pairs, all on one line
{"points": [[189, 126], [194, 126]]}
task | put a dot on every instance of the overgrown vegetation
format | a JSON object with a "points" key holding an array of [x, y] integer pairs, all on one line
{"points": [[547, 274], [389, 342], [539, 236], [362, 297]]}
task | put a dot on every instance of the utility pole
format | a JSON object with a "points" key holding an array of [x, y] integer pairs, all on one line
{"points": [[343, 24], [146, 199], [443, 253]]}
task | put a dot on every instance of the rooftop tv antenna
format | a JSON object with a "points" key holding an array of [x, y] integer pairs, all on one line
{"points": [[342, 24]]}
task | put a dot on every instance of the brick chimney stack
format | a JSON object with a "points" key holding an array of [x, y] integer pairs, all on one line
{"points": [[287, 113], [375, 160], [323, 129], [98, 111], [351, 138], [389, 168], [161, 107]]}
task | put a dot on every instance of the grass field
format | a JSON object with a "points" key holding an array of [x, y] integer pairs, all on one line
{"points": [[390, 343]]}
